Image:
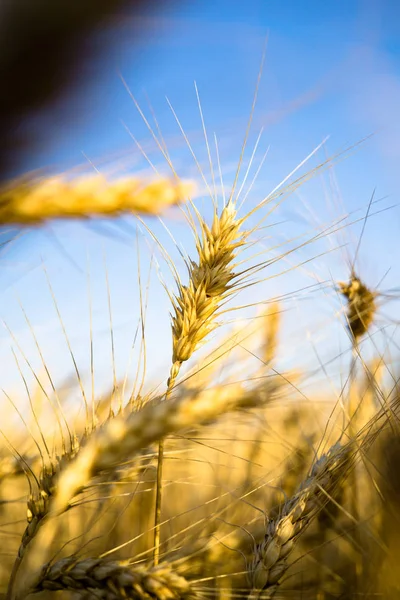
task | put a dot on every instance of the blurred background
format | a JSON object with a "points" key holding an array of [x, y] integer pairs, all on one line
{"points": [[331, 69]]}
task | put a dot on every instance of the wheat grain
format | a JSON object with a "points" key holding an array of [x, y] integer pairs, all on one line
{"points": [[31, 201]]}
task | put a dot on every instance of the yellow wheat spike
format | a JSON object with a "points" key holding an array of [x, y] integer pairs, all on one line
{"points": [[30, 201]]}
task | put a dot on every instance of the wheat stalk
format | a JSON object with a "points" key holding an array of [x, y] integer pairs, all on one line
{"points": [[112, 580], [31, 201]]}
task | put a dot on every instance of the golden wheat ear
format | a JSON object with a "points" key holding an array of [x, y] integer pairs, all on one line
{"points": [[270, 561], [29, 201], [361, 306], [112, 580], [211, 280]]}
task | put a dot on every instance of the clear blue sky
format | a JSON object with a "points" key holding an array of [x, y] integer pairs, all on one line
{"points": [[332, 68]]}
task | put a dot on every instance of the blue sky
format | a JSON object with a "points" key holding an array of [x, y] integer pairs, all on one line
{"points": [[332, 68]]}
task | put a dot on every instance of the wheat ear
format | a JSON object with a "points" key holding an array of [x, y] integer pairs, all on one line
{"points": [[31, 201], [38, 506], [270, 559], [360, 306], [112, 580], [211, 279]]}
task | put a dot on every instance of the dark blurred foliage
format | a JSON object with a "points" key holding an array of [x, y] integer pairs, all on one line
{"points": [[43, 50], [46, 47]]}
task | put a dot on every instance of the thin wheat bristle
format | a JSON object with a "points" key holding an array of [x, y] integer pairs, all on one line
{"points": [[361, 305], [112, 580], [27, 202]]}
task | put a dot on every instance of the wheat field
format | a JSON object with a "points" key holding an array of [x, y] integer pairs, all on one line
{"points": [[223, 477]]}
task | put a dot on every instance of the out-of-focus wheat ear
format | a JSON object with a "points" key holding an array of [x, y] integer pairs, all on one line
{"points": [[270, 562], [328, 473], [111, 580], [271, 331], [34, 484], [38, 506], [360, 308], [33, 200]]}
